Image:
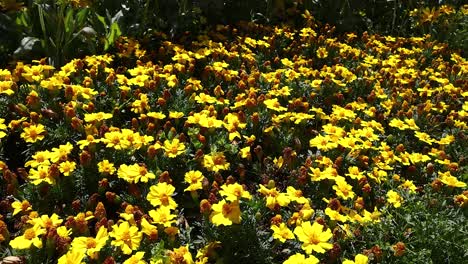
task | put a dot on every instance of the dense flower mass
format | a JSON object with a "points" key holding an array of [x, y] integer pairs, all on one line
{"points": [[291, 141]]}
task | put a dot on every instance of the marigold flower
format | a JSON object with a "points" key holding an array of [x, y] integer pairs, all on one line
{"points": [[67, 167], [23, 206], [394, 198], [194, 178], [174, 148], [30, 237], [181, 255], [358, 259], [126, 237], [162, 216], [313, 237], [343, 189], [137, 258], [160, 195], [225, 213], [233, 192], [299, 258], [134, 173], [91, 245], [106, 167], [33, 133], [282, 232], [450, 180], [215, 162], [73, 256]]}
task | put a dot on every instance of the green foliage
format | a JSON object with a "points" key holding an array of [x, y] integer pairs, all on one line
{"points": [[432, 230]]}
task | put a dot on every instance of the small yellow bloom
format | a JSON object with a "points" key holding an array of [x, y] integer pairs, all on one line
{"points": [[194, 178], [160, 195], [282, 232], [137, 258], [31, 236], [233, 192], [162, 216], [313, 237], [215, 162], [225, 213], [358, 259], [394, 198], [23, 206], [126, 237], [73, 256], [299, 258], [33, 133], [67, 167], [174, 148], [106, 167], [92, 245]]}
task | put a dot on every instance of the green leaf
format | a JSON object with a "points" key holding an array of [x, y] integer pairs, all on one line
{"points": [[81, 16], [114, 34], [102, 20], [69, 23]]}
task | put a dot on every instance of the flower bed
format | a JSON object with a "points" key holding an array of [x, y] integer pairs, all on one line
{"points": [[252, 144]]}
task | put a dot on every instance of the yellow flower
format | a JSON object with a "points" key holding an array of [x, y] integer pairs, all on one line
{"points": [[225, 213], [245, 152], [174, 148], [233, 192], [150, 230], [41, 174], [358, 259], [194, 178], [106, 167], [33, 133], [296, 195], [394, 198], [29, 238], [162, 216], [322, 53], [73, 256], [61, 152], [409, 185], [446, 140], [203, 98], [137, 258], [424, 137], [175, 114], [181, 255], [450, 180], [274, 197], [126, 237], [273, 104], [299, 258], [141, 105], [323, 143], [40, 158], [23, 206], [313, 237], [91, 246], [156, 115], [67, 167], [2, 127], [282, 232], [215, 162], [134, 173], [96, 117], [160, 195], [343, 189], [335, 215]]}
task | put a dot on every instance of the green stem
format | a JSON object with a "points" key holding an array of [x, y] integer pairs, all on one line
{"points": [[43, 28]]}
